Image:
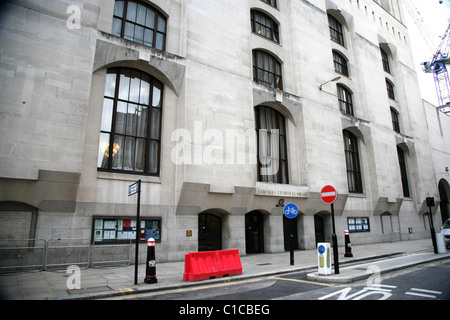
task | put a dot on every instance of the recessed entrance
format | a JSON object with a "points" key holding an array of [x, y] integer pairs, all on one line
{"points": [[290, 227], [209, 232], [319, 228], [254, 232]]}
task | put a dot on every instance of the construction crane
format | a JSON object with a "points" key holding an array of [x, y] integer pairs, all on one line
{"points": [[438, 66]]}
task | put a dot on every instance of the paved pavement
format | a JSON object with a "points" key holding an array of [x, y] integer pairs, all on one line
{"points": [[107, 282]]}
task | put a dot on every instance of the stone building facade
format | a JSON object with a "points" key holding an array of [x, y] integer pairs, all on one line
{"points": [[225, 110]]}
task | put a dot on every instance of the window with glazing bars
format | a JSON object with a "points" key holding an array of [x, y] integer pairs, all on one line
{"points": [[336, 33], [130, 135], [395, 122], [403, 172], [340, 63], [267, 69], [139, 22], [264, 25], [352, 162], [345, 100], [385, 59], [272, 148], [390, 89]]}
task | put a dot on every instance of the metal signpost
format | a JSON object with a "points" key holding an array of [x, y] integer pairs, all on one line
{"points": [[132, 189], [430, 203], [291, 211], [329, 195]]}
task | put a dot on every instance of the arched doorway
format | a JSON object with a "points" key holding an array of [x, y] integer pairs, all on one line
{"points": [[444, 195], [319, 228], [209, 232], [254, 232]]}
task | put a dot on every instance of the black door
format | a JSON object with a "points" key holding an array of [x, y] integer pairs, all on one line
{"points": [[319, 229], [209, 232], [254, 236], [290, 227]]}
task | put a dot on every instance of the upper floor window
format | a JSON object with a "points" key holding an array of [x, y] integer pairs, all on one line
{"points": [[385, 59], [403, 172], [273, 3], [264, 25], [345, 100], [336, 33], [272, 149], [390, 89], [352, 162], [138, 22], [340, 63], [395, 122], [130, 134], [267, 69]]}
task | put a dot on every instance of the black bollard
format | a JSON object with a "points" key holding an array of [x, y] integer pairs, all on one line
{"points": [[348, 245], [291, 249], [150, 270]]}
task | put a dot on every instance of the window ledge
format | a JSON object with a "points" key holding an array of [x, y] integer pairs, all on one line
{"points": [[127, 177]]}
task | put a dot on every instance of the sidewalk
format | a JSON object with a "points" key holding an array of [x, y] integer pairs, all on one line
{"points": [[106, 282]]}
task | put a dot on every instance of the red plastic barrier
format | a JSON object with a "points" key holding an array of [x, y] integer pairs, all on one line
{"points": [[211, 264]]}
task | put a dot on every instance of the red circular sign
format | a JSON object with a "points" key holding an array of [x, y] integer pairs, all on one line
{"points": [[328, 194]]}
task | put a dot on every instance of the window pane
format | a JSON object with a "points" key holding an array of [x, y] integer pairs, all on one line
{"points": [[129, 31], [156, 98], [148, 37], [128, 157], [139, 34], [121, 117], [159, 41], [116, 27], [140, 155], [161, 24], [110, 85], [103, 151], [131, 119], [135, 86], [141, 13], [117, 152], [150, 22], [131, 11], [142, 117], [153, 157], [155, 123], [124, 85], [118, 9], [107, 115], [145, 90]]}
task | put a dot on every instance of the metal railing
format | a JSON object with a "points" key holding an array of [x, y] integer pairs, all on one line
{"points": [[28, 255]]}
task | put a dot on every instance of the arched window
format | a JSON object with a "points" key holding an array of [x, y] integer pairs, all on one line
{"points": [[385, 60], [264, 25], [139, 22], [395, 121], [131, 122], [345, 100], [272, 148], [403, 172], [340, 63], [390, 89], [336, 33], [352, 162], [267, 69]]}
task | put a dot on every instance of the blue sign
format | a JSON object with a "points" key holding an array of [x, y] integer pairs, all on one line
{"points": [[321, 249], [290, 210]]}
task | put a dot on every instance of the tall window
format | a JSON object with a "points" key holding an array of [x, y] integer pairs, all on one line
{"points": [[267, 69], [336, 33], [390, 89], [345, 100], [138, 22], [131, 122], [403, 172], [395, 122], [340, 63], [352, 162], [264, 25], [272, 149], [385, 59]]}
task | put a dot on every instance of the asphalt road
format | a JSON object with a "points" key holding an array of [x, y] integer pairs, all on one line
{"points": [[425, 282]]}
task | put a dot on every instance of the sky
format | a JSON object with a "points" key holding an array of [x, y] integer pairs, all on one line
{"points": [[435, 17]]}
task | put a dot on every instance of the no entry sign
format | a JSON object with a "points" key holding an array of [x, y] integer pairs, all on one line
{"points": [[328, 194]]}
